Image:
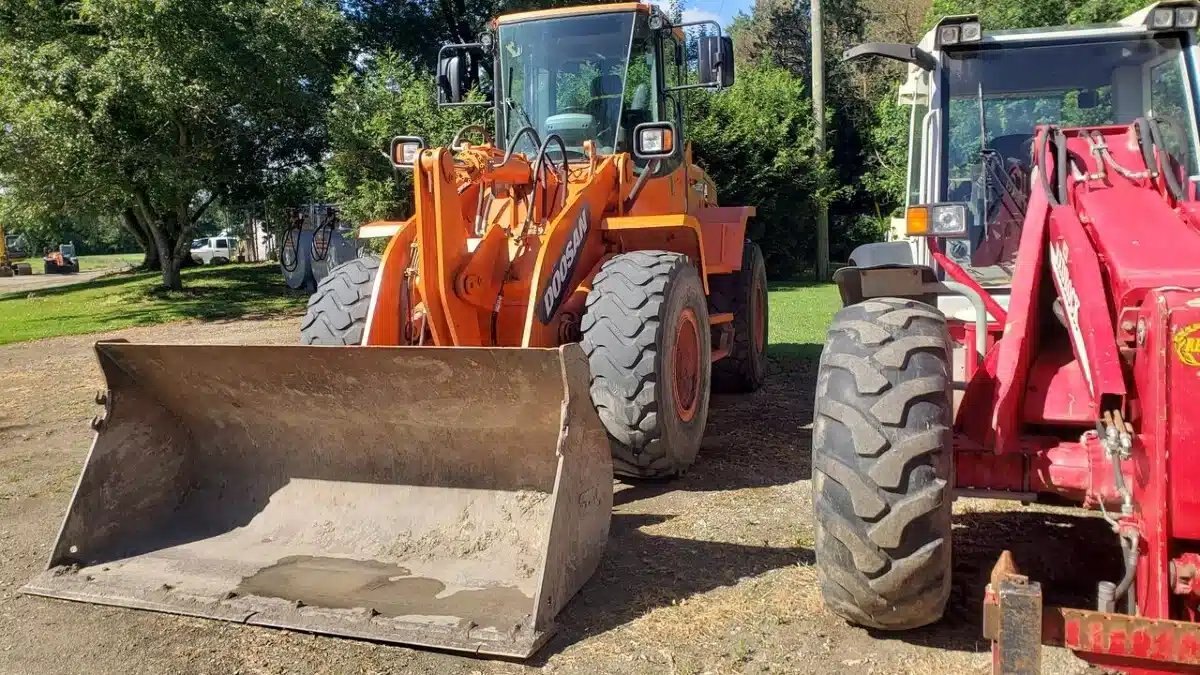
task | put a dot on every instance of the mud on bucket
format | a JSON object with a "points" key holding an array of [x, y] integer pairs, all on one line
{"points": [[446, 497]]}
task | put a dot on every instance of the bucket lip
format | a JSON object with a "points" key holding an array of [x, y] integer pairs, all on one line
{"points": [[522, 644], [107, 342]]}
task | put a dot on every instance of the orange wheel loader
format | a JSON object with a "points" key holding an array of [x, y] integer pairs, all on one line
{"points": [[557, 307]]}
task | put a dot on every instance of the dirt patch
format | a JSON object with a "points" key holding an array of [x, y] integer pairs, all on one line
{"points": [[709, 573]]}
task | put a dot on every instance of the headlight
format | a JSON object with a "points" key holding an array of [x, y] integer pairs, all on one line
{"points": [[1187, 17], [406, 150], [949, 35], [1162, 17], [948, 219], [654, 140]]}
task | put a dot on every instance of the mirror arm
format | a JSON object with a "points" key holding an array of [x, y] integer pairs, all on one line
{"points": [[896, 52]]}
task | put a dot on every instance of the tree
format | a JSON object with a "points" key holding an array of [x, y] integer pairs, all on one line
{"points": [[416, 29], [390, 97], [756, 141], [153, 110]]}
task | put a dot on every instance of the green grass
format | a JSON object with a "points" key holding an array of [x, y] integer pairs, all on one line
{"points": [[113, 261], [135, 299], [800, 313]]}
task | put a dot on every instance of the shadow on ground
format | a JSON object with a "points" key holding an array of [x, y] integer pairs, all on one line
{"points": [[641, 572], [1068, 554], [753, 440]]}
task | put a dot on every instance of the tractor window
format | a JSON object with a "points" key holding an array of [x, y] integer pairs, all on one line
{"points": [[997, 95], [1168, 100], [568, 77], [673, 75], [640, 103], [916, 137]]}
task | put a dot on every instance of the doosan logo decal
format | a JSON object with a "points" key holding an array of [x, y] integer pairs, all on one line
{"points": [[564, 269]]}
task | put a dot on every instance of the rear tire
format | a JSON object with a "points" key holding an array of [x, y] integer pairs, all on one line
{"points": [[745, 294], [882, 462], [647, 337], [337, 311]]}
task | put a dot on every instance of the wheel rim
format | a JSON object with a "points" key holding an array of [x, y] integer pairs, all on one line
{"points": [[760, 319], [686, 362]]}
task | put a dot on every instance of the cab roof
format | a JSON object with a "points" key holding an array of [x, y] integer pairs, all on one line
{"points": [[560, 12]]}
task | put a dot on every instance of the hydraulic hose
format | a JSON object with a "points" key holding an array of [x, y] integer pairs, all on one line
{"points": [[1125, 588], [512, 142]]}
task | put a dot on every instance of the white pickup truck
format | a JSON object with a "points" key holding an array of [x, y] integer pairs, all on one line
{"points": [[214, 250]]}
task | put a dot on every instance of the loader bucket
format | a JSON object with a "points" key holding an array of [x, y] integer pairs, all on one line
{"points": [[444, 497]]}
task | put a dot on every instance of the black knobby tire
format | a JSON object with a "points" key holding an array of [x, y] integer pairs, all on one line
{"points": [[337, 311], [639, 314], [882, 464], [744, 293], [49, 268]]}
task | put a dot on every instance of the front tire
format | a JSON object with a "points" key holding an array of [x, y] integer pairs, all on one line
{"points": [[647, 337], [337, 311], [882, 465]]}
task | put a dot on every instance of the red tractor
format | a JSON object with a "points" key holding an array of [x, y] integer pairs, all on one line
{"points": [[1035, 337]]}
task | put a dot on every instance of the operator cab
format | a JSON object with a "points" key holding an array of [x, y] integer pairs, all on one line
{"points": [[584, 76], [977, 97]]}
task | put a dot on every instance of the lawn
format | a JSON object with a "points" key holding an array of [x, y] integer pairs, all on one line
{"points": [[113, 261], [800, 313], [134, 299]]}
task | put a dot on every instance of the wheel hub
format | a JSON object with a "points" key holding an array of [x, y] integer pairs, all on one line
{"points": [[686, 362]]}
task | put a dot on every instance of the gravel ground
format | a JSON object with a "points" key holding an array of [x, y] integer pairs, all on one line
{"points": [[711, 573]]}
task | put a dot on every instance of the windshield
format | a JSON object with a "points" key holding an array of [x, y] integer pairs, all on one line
{"points": [[199, 243], [997, 96], [574, 77]]}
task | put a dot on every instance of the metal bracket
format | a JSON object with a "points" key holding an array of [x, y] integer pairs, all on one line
{"points": [[1012, 620]]}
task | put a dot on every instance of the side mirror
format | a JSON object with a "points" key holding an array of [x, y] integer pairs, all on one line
{"points": [[452, 78], [716, 61]]}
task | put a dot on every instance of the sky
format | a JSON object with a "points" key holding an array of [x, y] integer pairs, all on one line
{"points": [[721, 11]]}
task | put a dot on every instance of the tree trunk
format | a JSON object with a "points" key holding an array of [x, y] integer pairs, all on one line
{"points": [[168, 261], [141, 232], [170, 274], [171, 231]]}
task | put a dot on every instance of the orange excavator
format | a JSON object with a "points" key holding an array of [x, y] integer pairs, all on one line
{"points": [[433, 465], [12, 252]]}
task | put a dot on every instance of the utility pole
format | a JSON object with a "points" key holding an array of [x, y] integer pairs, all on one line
{"points": [[818, 94]]}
